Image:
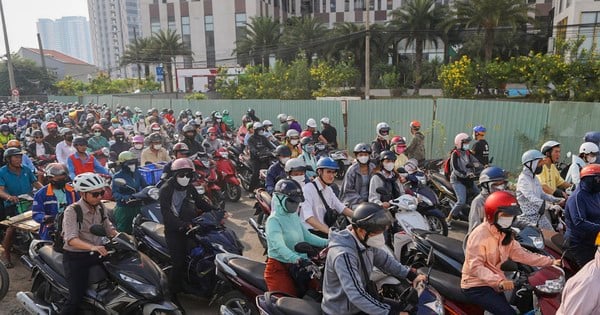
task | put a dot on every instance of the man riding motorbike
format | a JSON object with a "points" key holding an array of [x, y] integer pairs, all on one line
{"points": [[355, 188]]}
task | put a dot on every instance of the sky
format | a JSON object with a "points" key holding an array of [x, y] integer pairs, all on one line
{"points": [[22, 15]]}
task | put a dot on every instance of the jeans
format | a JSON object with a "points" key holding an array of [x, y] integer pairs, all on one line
{"points": [[460, 190], [77, 268], [490, 300]]}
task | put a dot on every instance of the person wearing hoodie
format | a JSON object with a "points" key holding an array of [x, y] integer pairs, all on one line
{"points": [[121, 143], [353, 252], [355, 187], [588, 153], [308, 155], [284, 230], [582, 215], [127, 208], [276, 171]]}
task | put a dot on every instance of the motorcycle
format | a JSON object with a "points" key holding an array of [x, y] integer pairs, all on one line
{"points": [[244, 169], [126, 282], [447, 197], [226, 176], [207, 179], [26, 229], [340, 156], [428, 202], [262, 208]]}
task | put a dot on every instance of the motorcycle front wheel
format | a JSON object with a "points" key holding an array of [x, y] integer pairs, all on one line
{"points": [[237, 303], [438, 224], [4, 281], [342, 171], [233, 192]]}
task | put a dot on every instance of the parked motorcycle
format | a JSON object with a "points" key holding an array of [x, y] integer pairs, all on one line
{"points": [[126, 282], [227, 176], [340, 156]]}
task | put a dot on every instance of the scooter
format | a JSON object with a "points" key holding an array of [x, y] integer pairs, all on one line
{"points": [[207, 179], [262, 210], [428, 203], [226, 176], [340, 156], [126, 282], [447, 197]]}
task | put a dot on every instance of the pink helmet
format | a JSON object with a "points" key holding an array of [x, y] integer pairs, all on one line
{"points": [[182, 164], [138, 139]]}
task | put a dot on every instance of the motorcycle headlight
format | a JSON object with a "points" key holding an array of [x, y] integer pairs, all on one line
{"points": [[552, 286], [153, 193], [144, 289], [538, 242]]}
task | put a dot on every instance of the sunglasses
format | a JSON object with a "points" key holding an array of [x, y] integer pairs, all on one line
{"points": [[39, 137], [97, 194], [97, 131], [182, 175]]}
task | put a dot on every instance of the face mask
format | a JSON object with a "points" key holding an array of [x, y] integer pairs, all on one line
{"points": [[363, 159], [157, 146], [138, 146], [284, 160], [59, 184], [299, 179], [310, 149], [261, 133], [386, 137], [504, 222], [294, 142], [120, 139], [183, 181], [115, 125], [538, 170], [465, 146], [184, 120], [218, 120], [389, 166], [590, 159], [97, 134], [131, 167], [500, 187], [69, 138], [377, 241]]}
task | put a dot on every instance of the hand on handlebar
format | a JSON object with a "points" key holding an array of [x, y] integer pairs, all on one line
{"points": [[471, 176], [420, 278], [99, 249], [13, 199], [557, 263], [386, 205], [506, 285]]}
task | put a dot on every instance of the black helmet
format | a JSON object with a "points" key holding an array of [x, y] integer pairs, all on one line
{"points": [[12, 152], [371, 217], [37, 133], [79, 141], [4, 127], [362, 147], [306, 140], [387, 155], [283, 150], [154, 137], [292, 190], [250, 111]]}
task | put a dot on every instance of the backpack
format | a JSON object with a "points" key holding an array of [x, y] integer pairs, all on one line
{"points": [[57, 235], [446, 164]]}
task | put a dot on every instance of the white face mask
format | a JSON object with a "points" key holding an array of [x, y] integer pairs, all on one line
{"points": [[157, 146], [183, 181], [363, 159], [590, 159], [293, 142], [138, 146], [386, 137], [388, 166], [284, 160], [377, 241], [261, 133], [500, 187], [505, 222], [466, 146], [131, 168], [299, 179]]}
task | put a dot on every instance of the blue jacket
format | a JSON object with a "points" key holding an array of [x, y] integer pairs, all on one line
{"points": [[582, 216], [134, 180], [45, 203], [275, 173]]}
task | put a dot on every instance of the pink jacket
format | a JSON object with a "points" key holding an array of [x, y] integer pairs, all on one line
{"points": [[485, 254], [581, 294]]}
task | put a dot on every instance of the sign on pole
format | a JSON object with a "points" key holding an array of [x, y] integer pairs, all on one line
{"points": [[15, 92], [160, 74]]}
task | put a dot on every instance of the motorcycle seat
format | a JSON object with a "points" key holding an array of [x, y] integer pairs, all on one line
{"points": [[448, 286], [251, 271], [54, 259], [295, 306], [447, 246], [442, 180], [156, 231]]}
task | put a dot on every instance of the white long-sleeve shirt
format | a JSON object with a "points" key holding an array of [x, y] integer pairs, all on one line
{"points": [[63, 150], [313, 206]]}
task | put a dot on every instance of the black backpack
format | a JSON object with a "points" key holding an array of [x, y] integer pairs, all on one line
{"points": [[57, 235]]}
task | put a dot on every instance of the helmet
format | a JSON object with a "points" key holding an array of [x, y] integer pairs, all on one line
{"points": [[292, 133], [257, 125], [225, 112], [398, 140], [325, 120], [97, 127], [34, 121], [548, 145], [66, 121], [79, 141], [327, 163], [35, 133], [182, 164], [267, 123], [154, 137], [592, 136], [49, 116], [115, 120], [590, 170], [387, 155], [460, 139], [282, 117], [12, 152], [306, 140], [4, 127], [8, 113], [180, 146], [198, 113], [290, 118], [218, 115], [291, 189], [118, 131], [4, 120], [490, 175], [311, 123], [283, 151], [56, 169], [530, 156], [88, 181], [500, 201], [126, 156], [382, 128], [362, 148], [295, 164], [188, 128], [371, 217], [104, 122], [246, 119], [250, 111], [155, 127], [138, 139], [51, 125], [65, 130], [415, 124], [212, 130], [14, 143], [250, 125], [479, 129], [588, 147]]}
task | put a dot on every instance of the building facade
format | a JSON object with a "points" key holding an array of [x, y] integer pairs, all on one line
{"points": [[113, 24], [577, 18], [60, 64], [69, 35]]}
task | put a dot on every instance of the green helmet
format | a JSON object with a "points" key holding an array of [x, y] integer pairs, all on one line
{"points": [[126, 156]]}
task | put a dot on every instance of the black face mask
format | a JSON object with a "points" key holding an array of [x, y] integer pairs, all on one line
{"points": [[538, 170], [59, 184], [69, 138], [119, 139]]}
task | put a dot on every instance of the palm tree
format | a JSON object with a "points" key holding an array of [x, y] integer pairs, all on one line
{"points": [[140, 51], [489, 15], [168, 45], [306, 33], [417, 22], [261, 39]]}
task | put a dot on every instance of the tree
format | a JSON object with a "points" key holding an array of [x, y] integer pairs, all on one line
{"points": [[303, 33], [261, 39], [168, 45], [489, 16], [141, 52], [418, 22], [30, 78]]}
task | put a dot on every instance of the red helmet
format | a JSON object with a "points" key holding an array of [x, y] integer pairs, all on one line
{"points": [[415, 124], [182, 164], [212, 130], [51, 125], [590, 170], [501, 201], [398, 140], [155, 126], [305, 133], [4, 121], [97, 127]]}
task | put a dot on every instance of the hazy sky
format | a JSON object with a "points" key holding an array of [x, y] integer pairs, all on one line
{"points": [[22, 15]]}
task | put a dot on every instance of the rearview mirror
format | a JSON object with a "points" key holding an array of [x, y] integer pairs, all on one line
{"points": [[98, 230]]}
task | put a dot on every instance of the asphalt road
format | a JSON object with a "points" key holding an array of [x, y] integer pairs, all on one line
{"points": [[241, 211]]}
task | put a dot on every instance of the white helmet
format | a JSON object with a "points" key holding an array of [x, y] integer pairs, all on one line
{"points": [[548, 145], [88, 182], [588, 147], [295, 164], [460, 139], [257, 125], [311, 123], [382, 126], [325, 120], [282, 118], [267, 123], [198, 114], [292, 133]]}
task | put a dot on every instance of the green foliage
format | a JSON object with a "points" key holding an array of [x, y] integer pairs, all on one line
{"points": [[457, 78], [29, 78], [196, 96], [102, 84]]}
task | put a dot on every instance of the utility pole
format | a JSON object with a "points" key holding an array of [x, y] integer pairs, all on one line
{"points": [[367, 54], [11, 73], [42, 56]]}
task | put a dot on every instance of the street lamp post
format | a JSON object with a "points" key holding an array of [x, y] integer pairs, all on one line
{"points": [[367, 54], [11, 73]]}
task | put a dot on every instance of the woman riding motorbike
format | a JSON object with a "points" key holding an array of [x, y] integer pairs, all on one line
{"points": [[385, 176]]}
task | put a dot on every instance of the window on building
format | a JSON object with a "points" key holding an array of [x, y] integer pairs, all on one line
{"points": [[590, 29], [293, 6], [155, 24], [323, 6], [171, 23], [332, 6], [390, 4], [560, 6], [359, 5], [208, 23]]}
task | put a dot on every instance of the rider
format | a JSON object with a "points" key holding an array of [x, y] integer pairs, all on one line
{"points": [[26, 159], [39, 147], [353, 252], [582, 216], [328, 133], [355, 188], [285, 267], [292, 141], [283, 124], [227, 119], [268, 126], [81, 162], [293, 124], [308, 155], [488, 247], [121, 143], [53, 136], [295, 169], [65, 147], [481, 149], [277, 170], [52, 198], [189, 138], [155, 152], [258, 146], [311, 127], [97, 141], [5, 134], [530, 194], [180, 150], [398, 146], [588, 153], [416, 148], [491, 179], [138, 146], [252, 115], [550, 178], [381, 143], [211, 144], [463, 167], [385, 177], [79, 241], [321, 206], [127, 207]]}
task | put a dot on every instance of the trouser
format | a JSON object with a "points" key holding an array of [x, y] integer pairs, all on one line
{"points": [[490, 300], [178, 249], [124, 218], [278, 278], [460, 190], [77, 269], [257, 165]]}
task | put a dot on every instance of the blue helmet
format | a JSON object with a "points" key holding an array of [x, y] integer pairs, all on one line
{"points": [[592, 136], [492, 174], [530, 156], [479, 129], [327, 163]]}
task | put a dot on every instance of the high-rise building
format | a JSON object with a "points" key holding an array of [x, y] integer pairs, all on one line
{"points": [[114, 24], [69, 35]]}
